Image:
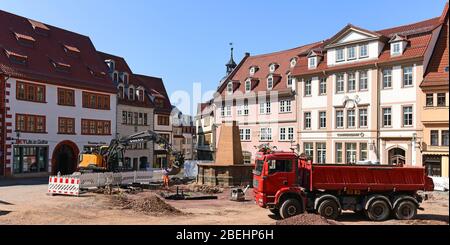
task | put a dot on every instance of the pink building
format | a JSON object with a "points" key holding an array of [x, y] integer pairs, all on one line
{"points": [[259, 93]]}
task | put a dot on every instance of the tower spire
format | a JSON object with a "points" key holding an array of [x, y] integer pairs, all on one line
{"points": [[231, 65]]}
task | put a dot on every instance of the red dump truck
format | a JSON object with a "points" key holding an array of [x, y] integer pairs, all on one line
{"points": [[289, 185]]}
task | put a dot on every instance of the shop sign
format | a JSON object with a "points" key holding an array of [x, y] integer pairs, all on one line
{"points": [[351, 135], [32, 142]]}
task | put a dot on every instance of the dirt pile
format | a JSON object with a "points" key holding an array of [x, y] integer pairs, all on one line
{"points": [[148, 205], [307, 219]]}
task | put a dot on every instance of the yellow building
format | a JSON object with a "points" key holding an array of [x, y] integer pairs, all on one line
{"points": [[435, 95]]}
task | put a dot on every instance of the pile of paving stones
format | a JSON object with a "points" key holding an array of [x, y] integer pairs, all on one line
{"points": [[306, 219]]}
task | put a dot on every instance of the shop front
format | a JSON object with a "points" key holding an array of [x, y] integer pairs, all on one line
{"points": [[436, 165], [30, 158]]}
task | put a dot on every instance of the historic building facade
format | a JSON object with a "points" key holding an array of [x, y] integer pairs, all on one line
{"points": [[205, 129], [57, 98]]}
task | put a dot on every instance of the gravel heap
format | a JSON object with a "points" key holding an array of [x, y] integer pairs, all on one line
{"points": [[306, 219], [148, 205]]}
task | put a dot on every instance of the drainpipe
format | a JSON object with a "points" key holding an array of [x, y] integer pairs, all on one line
{"points": [[378, 113]]}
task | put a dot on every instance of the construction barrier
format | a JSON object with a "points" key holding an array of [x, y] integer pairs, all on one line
{"points": [[64, 185]]}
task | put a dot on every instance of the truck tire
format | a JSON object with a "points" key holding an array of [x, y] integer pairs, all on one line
{"points": [[378, 210], [289, 208], [405, 210], [329, 209], [275, 211]]}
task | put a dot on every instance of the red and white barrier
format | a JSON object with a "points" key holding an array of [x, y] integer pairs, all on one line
{"points": [[64, 186]]}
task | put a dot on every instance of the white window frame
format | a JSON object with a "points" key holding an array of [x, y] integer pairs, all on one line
{"points": [[265, 134], [351, 79], [394, 46], [351, 118], [248, 86], [285, 106], [324, 125], [363, 116], [322, 86], [252, 71], [321, 149], [289, 80], [410, 113], [409, 74], [245, 108], [339, 123], [245, 134], [307, 120], [338, 50], [228, 110], [361, 48], [308, 88], [363, 78], [293, 62], [340, 83], [272, 68], [283, 134], [270, 82], [312, 62], [230, 88], [387, 76], [265, 108], [354, 48]]}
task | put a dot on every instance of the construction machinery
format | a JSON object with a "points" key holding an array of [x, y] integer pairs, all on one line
{"points": [[111, 158]]}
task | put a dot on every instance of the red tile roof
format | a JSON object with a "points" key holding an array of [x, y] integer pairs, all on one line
{"points": [[282, 58], [39, 67], [435, 74], [418, 35], [120, 64]]}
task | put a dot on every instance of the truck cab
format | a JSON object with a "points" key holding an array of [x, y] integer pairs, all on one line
{"points": [[275, 175]]}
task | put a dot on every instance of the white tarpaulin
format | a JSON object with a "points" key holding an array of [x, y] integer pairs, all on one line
{"points": [[440, 183], [190, 169]]}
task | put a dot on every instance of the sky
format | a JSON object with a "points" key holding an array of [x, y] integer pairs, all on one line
{"points": [[187, 41]]}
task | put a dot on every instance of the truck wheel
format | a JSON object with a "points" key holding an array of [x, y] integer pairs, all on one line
{"points": [[378, 211], [275, 211], [289, 208], [405, 210], [329, 209]]}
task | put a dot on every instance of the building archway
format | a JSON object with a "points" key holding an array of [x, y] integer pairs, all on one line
{"points": [[65, 158], [397, 156]]}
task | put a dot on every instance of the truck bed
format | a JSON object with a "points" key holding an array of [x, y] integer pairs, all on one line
{"points": [[368, 178]]}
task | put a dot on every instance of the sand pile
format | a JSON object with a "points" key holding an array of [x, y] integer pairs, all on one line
{"points": [[307, 219], [148, 205]]}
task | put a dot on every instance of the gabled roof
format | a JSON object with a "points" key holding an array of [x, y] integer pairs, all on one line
{"points": [[398, 38], [348, 29], [155, 89], [87, 70]]}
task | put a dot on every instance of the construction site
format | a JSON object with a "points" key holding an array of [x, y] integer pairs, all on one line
{"points": [[288, 189]]}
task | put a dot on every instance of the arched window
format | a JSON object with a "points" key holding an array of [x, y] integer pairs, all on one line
{"points": [[131, 93], [116, 77], [125, 78], [248, 86], [230, 87], [121, 92], [141, 94]]}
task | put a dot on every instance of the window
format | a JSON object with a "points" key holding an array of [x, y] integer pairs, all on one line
{"points": [[430, 100], [307, 116], [141, 119], [270, 83], [321, 153], [282, 134], [363, 153], [245, 134], [441, 99], [245, 108], [125, 78], [323, 86], [252, 71], [339, 83], [248, 86], [351, 122], [322, 119], [289, 80], [66, 97], [145, 119], [222, 111], [265, 108], [140, 95], [339, 152], [350, 153], [96, 101], [312, 62], [265, 134], [285, 106], [434, 135], [363, 118], [290, 134], [387, 117], [293, 62], [308, 88], [309, 150], [280, 166], [363, 51], [351, 85], [407, 116], [286, 134], [230, 88], [124, 117], [95, 127], [30, 92], [363, 80], [351, 53], [30, 123], [407, 76], [396, 48], [66, 125], [30, 159], [340, 55], [387, 78], [131, 93], [339, 119], [444, 138], [136, 118], [121, 92], [228, 111], [163, 120], [272, 68], [130, 118], [115, 77]]}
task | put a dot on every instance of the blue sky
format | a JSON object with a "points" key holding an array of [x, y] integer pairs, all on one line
{"points": [[186, 41]]}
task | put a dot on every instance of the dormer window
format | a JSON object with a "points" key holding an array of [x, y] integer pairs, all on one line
{"points": [[71, 50], [60, 66], [25, 40], [396, 47], [312, 62], [364, 51], [248, 86], [253, 70], [290, 80], [351, 53], [16, 58], [230, 88], [116, 77], [125, 78], [140, 94], [270, 82], [340, 55], [121, 92], [111, 64], [131, 93], [39, 28], [272, 68], [293, 62]]}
